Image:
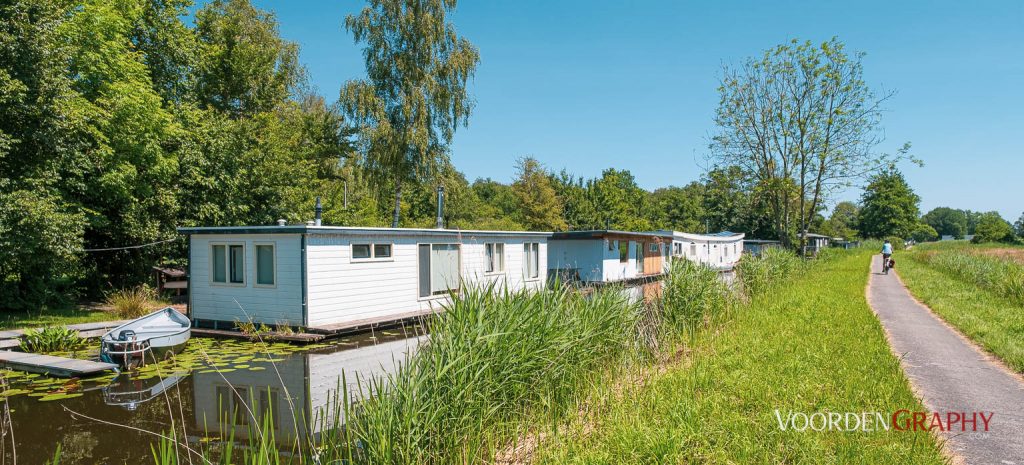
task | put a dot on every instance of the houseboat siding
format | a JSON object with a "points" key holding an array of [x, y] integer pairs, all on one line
{"points": [[342, 290], [594, 262], [278, 304]]}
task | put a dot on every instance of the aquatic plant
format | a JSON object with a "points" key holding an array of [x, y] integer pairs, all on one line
{"points": [[51, 339], [132, 302], [692, 296], [759, 274]]}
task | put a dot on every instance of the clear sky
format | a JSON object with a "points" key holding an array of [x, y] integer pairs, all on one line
{"points": [[591, 84]]}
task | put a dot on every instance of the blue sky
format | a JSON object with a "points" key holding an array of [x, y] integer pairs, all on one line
{"points": [[587, 85]]}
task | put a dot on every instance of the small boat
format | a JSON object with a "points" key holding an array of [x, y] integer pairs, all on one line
{"points": [[149, 338]]}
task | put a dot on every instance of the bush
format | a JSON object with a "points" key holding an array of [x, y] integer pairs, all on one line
{"points": [[132, 302], [758, 274], [693, 294], [51, 339]]}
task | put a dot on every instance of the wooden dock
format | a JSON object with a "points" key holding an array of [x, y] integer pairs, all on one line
{"points": [[12, 337], [52, 366], [302, 338]]}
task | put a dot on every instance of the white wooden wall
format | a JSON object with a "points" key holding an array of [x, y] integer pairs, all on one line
{"points": [[341, 289], [230, 302], [717, 254], [593, 259]]}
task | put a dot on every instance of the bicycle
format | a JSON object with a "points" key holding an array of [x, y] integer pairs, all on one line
{"points": [[885, 263]]}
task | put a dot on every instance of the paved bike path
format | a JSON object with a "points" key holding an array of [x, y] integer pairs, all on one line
{"points": [[950, 374]]}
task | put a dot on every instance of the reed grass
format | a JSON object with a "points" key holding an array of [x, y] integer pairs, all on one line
{"points": [[132, 302], [1001, 276], [760, 274]]}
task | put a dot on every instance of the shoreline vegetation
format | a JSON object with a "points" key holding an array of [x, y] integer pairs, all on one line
{"points": [[560, 376], [978, 289]]}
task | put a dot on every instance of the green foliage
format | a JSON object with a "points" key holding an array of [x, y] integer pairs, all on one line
{"points": [[924, 233], [414, 97], [760, 274], [843, 221], [51, 339], [992, 228], [947, 221], [1018, 226], [898, 243], [999, 275], [540, 209], [132, 302], [693, 296], [678, 208], [889, 207]]}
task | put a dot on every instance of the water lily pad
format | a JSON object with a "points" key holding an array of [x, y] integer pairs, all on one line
{"points": [[59, 396]]}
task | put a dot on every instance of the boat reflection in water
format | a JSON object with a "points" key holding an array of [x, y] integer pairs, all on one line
{"points": [[298, 396], [129, 393]]}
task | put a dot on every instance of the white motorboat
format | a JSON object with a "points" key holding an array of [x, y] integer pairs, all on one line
{"points": [[146, 339]]}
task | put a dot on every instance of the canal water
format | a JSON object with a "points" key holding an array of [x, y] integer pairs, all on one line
{"points": [[209, 388]]}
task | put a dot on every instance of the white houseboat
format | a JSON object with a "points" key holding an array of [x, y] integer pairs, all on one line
{"points": [[607, 256], [333, 278], [720, 250]]}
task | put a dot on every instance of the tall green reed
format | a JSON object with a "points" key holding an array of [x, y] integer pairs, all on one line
{"points": [[759, 274], [1001, 276]]}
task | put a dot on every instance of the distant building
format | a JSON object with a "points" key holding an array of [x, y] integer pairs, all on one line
{"points": [[721, 250], [608, 256], [756, 247]]}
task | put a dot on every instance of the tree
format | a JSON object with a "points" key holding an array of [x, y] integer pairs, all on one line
{"points": [[415, 94], [678, 208], [539, 206], [245, 66], [843, 221], [802, 122], [1019, 226], [924, 233], [947, 221], [578, 207], [992, 228], [889, 207]]}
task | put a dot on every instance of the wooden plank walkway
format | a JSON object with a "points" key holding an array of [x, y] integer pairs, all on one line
{"points": [[11, 338], [306, 338], [354, 326], [52, 366]]}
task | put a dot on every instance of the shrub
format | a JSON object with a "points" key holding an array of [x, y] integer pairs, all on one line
{"points": [[758, 274], [51, 339], [693, 294], [132, 302]]}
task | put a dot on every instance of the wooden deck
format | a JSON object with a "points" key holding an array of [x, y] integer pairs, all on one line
{"points": [[365, 324], [306, 338], [11, 338], [52, 366]]}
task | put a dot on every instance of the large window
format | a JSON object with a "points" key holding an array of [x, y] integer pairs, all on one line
{"points": [[495, 257], [370, 251], [531, 260], [266, 265], [228, 263], [693, 249], [639, 252], [438, 269], [623, 251]]}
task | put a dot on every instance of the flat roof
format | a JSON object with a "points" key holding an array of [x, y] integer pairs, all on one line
{"points": [[350, 230], [602, 233], [724, 236]]}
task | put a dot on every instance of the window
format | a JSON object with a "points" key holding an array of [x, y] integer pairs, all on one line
{"points": [[438, 269], [693, 249], [611, 245], [654, 247], [265, 265], [371, 251], [639, 257], [228, 263], [495, 257], [623, 251], [531, 260]]}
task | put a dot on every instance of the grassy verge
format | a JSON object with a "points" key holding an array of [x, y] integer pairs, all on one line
{"points": [[983, 313], [55, 316], [811, 346]]}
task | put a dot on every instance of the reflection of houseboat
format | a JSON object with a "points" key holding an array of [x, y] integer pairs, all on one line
{"points": [[298, 395], [129, 392], [606, 256], [720, 250]]}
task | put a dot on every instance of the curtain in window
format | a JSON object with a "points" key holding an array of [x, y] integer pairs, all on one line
{"points": [[237, 271], [444, 268], [265, 265]]}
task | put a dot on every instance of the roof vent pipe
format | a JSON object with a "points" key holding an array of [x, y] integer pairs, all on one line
{"points": [[319, 209], [282, 222], [440, 207]]}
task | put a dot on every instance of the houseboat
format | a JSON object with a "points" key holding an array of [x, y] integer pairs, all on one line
{"points": [[721, 250], [756, 247], [331, 278], [608, 256]]}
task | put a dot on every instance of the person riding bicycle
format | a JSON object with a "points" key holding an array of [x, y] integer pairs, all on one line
{"points": [[886, 253]]}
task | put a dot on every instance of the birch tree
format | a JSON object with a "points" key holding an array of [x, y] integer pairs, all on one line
{"points": [[801, 123], [414, 97]]}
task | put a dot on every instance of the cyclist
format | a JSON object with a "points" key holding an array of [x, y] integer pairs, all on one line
{"points": [[886, 253]]}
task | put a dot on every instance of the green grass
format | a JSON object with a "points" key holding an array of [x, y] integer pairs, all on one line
{"points": [[982, 313], [814, 345], [55, 316]]}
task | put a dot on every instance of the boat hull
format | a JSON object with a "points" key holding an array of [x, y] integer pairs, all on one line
{"points": [[147, 339]]}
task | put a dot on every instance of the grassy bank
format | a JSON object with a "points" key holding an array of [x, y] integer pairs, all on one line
{"points": [[951, 280], [53, 316], [811, 346]]}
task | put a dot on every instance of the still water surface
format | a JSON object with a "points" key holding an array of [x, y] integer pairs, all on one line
{"points": [[106, 420]]}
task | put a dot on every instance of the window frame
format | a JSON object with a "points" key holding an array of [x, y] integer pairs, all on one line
{"points": [[256, 264], [419, 282], [623, 254], [528, 248], [373, 251], [638, 253], [493, 246], [227, 264]]}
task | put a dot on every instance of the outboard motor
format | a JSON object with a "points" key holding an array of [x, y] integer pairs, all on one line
{"points": [[126, 335]]}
